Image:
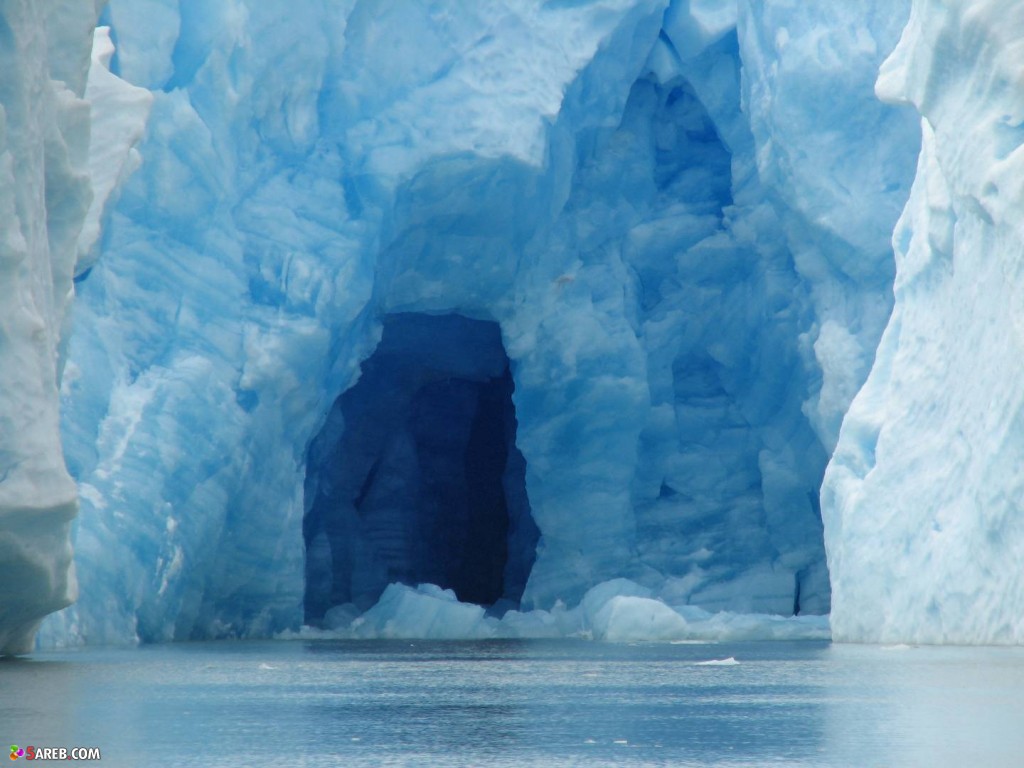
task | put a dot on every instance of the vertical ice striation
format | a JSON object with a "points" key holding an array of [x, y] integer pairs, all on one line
{"points": [[47, 193], [922, 500]]}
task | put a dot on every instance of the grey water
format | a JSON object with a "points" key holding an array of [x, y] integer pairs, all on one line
{"points": [[520, 703]]}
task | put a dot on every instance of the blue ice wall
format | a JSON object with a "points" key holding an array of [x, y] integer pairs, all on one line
{"points": [[674, 215]]}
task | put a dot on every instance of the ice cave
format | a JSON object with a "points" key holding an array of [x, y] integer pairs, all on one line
{"points": [[617, 318], [416, 477]]}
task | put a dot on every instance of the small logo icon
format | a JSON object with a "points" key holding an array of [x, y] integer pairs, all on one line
{"points": [[15, 752]]}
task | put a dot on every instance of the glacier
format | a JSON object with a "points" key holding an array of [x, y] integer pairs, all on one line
{"points": [[395, 319], [923, 496], [59, 162]]}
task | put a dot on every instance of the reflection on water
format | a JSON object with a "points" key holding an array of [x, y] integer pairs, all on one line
{"points": [[521, 703]]}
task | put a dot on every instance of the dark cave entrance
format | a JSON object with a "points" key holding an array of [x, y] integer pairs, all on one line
{"points": [[415, 476]]}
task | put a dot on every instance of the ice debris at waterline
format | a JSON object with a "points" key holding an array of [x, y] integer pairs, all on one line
{"points": [[657, 241], [614, 611]]}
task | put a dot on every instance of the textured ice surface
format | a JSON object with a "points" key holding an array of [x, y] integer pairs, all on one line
{"points": [[676, 216], [51, 200], [922, 500], [672, 218]]}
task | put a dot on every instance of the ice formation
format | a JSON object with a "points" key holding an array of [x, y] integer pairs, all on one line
{"points": [[53, 140], [923, 498], [529, 318]]}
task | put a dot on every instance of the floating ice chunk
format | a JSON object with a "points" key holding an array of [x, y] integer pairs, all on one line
{"points": [[638, 618], [427, 612], [596, 597], [729, 662]]}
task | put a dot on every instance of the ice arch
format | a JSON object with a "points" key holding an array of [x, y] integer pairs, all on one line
{"points": [[682, 233], [416, 477]]}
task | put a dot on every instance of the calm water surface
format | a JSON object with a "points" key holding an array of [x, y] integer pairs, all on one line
{"points": [[521, 703]]}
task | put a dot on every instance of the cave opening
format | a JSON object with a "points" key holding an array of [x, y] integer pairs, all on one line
{"points": [[416, 477]]}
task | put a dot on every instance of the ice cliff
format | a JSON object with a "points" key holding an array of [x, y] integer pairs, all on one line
{"points": [[923, 499], [54, 183], [547, 304]]}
